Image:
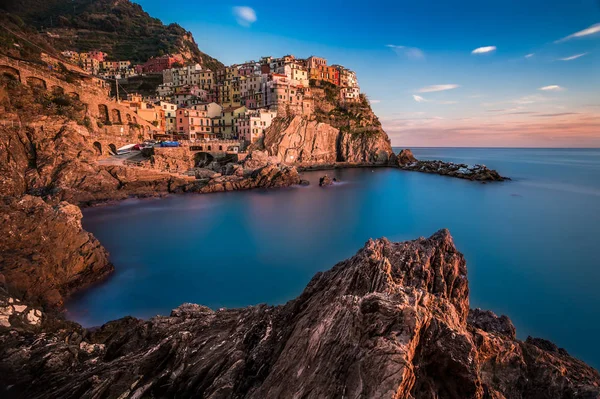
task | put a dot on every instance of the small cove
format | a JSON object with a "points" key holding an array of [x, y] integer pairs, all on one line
{"points": [[530, 244]]}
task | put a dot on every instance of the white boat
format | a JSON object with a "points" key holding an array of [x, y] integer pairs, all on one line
{"points": [[126, 149]]}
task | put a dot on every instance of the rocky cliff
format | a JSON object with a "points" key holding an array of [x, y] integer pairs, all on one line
{"points": [[393, 321], [332, 132], [45, 253]]}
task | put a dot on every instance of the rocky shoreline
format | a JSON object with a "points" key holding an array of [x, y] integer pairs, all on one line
{"points": [[481, 173], [392, 321]]}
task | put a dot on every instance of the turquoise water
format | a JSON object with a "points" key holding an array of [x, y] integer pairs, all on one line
{"points": [[532, 245]]}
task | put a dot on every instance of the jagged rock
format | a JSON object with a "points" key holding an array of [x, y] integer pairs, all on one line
{"points": [[326, 181], [393, 321], [489, 322], [461, 171], [405, 157]]}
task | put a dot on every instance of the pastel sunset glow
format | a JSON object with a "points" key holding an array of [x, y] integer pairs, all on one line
{"points": [[474, 73]]}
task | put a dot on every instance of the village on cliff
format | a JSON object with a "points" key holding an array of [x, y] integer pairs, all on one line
{"points": [[237, 102]]}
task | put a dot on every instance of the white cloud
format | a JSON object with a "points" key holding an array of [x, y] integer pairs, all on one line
{"points": [[483, 50], [586, 32], [573, 57], [551, 88], [531, 99], [244, 16], [529, 55], [412, 53], [430, 89], [419, 99], [447, 102], [374, 101]]}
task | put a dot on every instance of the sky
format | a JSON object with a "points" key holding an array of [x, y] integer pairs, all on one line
{"points": [[463, 73]]}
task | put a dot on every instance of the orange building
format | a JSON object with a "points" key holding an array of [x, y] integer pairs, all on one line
{"points": [[325, 73]]}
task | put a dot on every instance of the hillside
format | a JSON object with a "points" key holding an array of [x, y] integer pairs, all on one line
{"points": [[118, 27]]}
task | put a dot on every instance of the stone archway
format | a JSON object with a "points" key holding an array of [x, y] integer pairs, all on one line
{"points": [[112, 149], [203, 159], [32, 81], [116, 115], [10, 72], [103, 113], [98, 147], [128, 116]]}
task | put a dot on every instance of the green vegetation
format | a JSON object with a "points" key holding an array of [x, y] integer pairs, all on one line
{"points": [[120, 28]]}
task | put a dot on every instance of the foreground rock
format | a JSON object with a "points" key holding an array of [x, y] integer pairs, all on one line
{"points": [[391, 322], [407, 161]]}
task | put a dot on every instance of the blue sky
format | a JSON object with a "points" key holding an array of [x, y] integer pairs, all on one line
{"points": [[399, 49]]}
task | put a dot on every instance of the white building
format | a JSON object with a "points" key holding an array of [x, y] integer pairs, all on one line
{"points": [[252, 125]]}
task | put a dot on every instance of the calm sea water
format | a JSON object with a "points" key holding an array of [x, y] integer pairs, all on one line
{"points": [[532, 245]]}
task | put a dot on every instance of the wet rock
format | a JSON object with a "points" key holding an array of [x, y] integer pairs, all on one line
{"points": [[462, 171], [326, 181]]}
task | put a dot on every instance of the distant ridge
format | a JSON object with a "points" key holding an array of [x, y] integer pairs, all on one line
{"points": [[118, 27]]}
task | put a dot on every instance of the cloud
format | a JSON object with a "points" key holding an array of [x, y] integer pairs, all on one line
{"points": [[573, 57], [558, 114], [586, 32], [447, 102], [430, 89], [483, 50], [529, 99], [374, 101], [419, 99], [529, 55], [412, 53], [552, 88], [244, 16]]}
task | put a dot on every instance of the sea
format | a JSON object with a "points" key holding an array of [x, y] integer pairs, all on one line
{"points": [[532, 244]]}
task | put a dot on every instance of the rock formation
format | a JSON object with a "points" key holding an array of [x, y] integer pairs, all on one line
{"points": [[393, 321], [407, 161], [44, 252], [326, 181], [333, 132]]}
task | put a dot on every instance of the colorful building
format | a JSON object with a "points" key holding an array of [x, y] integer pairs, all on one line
{"points": [[252, 124], [194, 124]]}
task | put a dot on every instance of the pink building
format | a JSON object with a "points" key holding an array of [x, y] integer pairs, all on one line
{"points": [[194, 124]]}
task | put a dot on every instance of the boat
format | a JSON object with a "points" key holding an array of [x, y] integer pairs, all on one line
{"points": [[126, 149], [169, 144]]}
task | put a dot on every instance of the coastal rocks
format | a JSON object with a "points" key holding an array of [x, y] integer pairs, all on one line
{"points": [[406, 161], [44, 252], [269, 176], [393, 321], [405, 157], [326, 181]]}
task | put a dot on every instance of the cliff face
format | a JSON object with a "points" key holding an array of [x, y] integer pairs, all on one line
{"points": [[300, 140], [44, 251], [332, 132], [393, 321]]}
